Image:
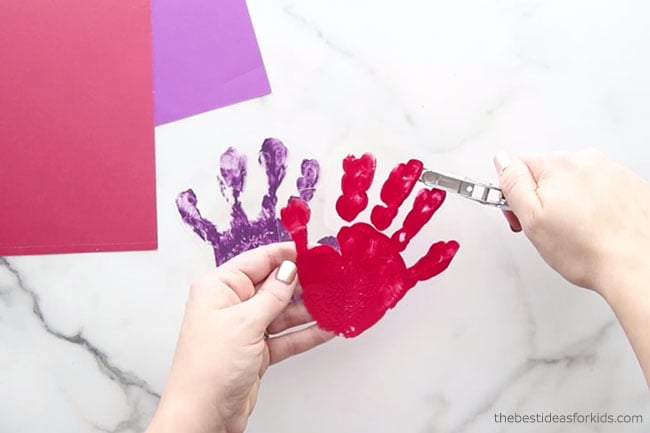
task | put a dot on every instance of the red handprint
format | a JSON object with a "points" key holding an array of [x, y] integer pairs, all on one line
{"points": [[348, 291]]}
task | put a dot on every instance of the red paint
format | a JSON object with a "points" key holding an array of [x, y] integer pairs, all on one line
{"points": [[349, 291], [357, 178], [397, 187], [426, 204]]}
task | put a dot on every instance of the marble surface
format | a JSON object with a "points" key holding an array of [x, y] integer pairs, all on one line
{"points": [[86, 340]]}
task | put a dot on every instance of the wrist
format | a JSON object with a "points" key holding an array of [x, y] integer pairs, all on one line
{"points": [[624, 281], [628, 295], [623, 267], [177, 417]]}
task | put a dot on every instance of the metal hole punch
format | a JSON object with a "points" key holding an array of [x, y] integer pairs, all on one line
{"points": [[480, 192]]}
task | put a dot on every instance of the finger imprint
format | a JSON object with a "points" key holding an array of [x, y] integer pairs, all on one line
{"points": [[356, 180], [426, 203], [396, 188]]}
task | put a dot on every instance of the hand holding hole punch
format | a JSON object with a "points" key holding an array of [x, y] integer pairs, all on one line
{"points": [[585, 214]]}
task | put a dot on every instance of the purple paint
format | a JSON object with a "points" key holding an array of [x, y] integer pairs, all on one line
{"points": [[231, 183], [305, 183], [245, 234], [273, 157]]}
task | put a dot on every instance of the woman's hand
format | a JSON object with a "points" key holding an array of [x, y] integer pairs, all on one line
{"points": [[588, 217], [222, 351]]}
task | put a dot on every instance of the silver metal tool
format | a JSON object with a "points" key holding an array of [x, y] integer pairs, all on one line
{"points": [[483, 193]]}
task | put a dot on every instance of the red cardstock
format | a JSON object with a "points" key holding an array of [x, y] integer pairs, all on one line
{"points": [[76, 127]]}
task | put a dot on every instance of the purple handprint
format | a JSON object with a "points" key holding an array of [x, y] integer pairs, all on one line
{"points": [[245, 234]]}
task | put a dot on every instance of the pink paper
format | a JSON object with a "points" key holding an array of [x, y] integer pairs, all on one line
{"points": [[205, 57], [76, 127]]}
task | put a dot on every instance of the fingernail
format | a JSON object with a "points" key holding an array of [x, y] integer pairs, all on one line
{"points": [[286, 272], [502, 160]]}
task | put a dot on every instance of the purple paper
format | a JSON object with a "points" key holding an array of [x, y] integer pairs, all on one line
{"points": [[205, 56]]}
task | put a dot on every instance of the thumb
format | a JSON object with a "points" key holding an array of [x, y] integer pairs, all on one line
{"points": [[274, 294], [518, 186]]}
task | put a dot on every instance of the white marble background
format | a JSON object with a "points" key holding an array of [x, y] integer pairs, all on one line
{"points": [[86, 340]]}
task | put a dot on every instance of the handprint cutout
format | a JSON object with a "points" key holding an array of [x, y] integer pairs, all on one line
{"points": [[348, 290], [245, 234]]}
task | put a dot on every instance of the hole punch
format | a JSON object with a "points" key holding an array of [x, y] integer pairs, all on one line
{"points": [[480, 192]]}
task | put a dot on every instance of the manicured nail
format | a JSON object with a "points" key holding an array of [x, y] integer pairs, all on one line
{"points": [[502, 160], [286, 272]]}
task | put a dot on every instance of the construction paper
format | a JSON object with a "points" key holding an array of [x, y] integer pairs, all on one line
{"points": [[349, 289], [246, 233], [76, 127], [205, 57]]}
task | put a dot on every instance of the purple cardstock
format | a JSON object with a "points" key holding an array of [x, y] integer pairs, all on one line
{"points": [[205, 56]]}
